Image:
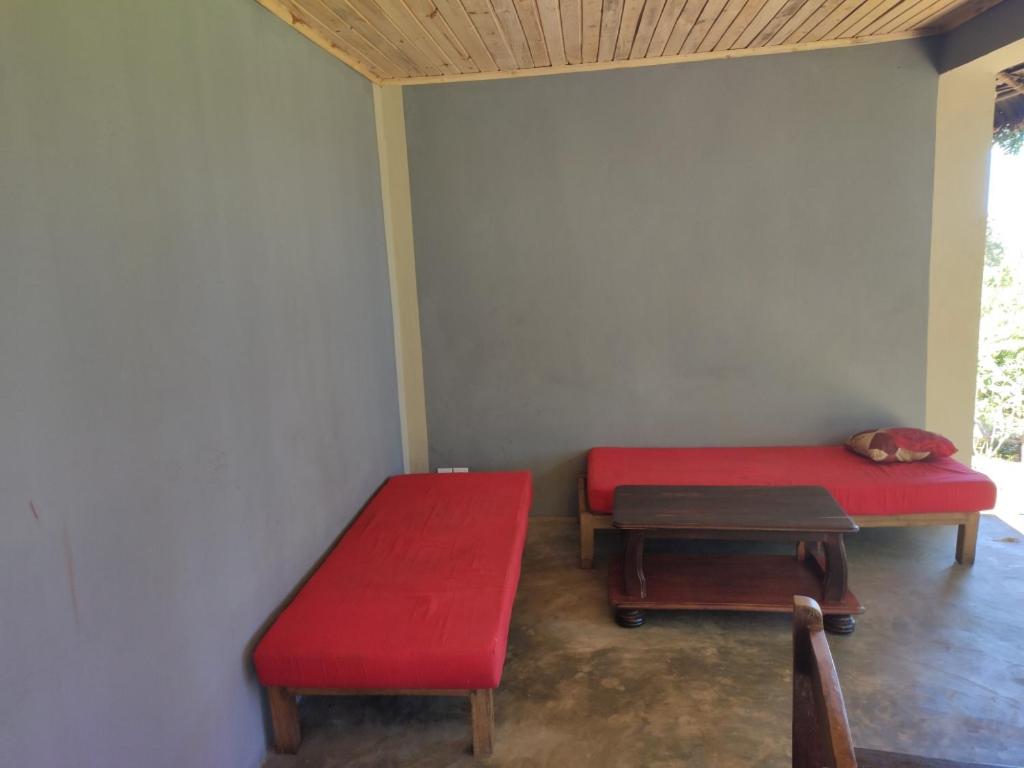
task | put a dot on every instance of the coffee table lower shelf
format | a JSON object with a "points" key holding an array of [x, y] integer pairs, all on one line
{"points": [[764, 583]]}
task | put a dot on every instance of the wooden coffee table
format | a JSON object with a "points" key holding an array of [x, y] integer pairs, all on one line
{"points": [[805, 516]]}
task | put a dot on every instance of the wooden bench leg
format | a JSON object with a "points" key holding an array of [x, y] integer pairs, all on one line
{"points": [[586, 540], [586, 525], [284, 716], [967, 539], [481, 705]]}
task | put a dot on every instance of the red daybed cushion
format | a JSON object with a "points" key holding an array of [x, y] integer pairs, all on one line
{"points": [[861, 487], [416, 595]]}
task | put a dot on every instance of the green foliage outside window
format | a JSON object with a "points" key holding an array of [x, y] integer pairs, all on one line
{"points": [[999, 414], [1010, 139]]}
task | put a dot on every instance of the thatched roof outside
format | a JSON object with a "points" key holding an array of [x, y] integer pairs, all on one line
{"points": [[1009, 115]]}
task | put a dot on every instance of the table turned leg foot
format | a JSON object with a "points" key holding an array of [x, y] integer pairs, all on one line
{"points": [[635, 581], [835, 569], [629, 618], [840, 623]]}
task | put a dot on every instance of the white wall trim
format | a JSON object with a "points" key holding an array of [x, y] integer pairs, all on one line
{"points": [[394, 186], [963, 142]]}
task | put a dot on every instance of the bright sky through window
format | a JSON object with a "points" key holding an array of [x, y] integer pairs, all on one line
{"points": [[1006, 201]]}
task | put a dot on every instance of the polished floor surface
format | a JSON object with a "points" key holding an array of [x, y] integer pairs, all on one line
{"points": [[936, 667]]}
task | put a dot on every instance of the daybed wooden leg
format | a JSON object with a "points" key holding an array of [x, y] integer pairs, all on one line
{"points": [[284, 715], [481, 705], [586, 525], [967, 539], [586, 540]]}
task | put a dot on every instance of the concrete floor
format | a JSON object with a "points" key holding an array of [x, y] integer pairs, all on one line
{"points": [[936, 667], [1009, 479]]}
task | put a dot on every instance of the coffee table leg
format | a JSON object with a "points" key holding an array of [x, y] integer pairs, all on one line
{"points": [[839, 623], [835, 569], [634, 579], [836, 585], [629, 618]]}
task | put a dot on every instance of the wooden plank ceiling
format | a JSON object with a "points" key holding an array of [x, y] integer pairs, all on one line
{"points": [[422, 41]]}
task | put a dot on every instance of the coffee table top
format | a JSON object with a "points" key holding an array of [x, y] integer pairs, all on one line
{"points": [[790, 508]]}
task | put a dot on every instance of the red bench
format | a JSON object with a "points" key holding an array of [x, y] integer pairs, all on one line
{"points": [[934, 492], [416, 598]]}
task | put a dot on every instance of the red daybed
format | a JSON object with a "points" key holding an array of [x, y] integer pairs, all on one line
{"points": [[416, 598], [933, 492]]}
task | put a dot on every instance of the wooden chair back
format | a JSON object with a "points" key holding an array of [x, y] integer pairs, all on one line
{"points": [[821, 732]]}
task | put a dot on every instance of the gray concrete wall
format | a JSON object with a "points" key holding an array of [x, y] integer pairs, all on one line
{"points": [[197, 384], [722, 253], [997, 27]]}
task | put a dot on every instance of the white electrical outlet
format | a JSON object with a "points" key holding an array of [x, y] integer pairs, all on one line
{"points": [[444, 470], [460, 470]]}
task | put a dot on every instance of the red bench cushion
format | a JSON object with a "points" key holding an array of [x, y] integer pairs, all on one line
{"points": [[416, 595], [861, 487]]}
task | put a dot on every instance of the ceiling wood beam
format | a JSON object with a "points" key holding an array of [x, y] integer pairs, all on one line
{"points": [[448, 25], [439, 41], [633, 63], [772, 18]]}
